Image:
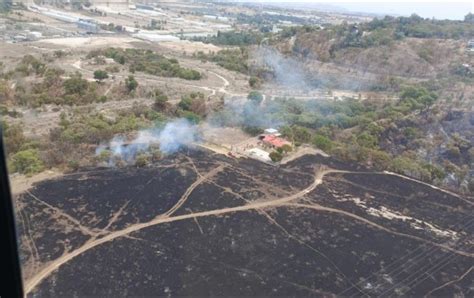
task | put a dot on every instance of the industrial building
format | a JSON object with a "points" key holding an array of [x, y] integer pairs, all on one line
{"points": [[113, 4], [90, 26]]}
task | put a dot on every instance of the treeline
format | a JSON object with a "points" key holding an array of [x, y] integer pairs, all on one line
{"points": [[386, 31], [232, 38], [148, 62], [265, 21], [72, 143], [231, 59]]}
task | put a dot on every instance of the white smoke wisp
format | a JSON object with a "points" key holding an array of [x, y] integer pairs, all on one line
{"points": [[176, 134], [169, 139], [289, 72]]}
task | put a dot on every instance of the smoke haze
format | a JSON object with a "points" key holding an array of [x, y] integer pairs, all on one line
{"points": [[174, 135]]}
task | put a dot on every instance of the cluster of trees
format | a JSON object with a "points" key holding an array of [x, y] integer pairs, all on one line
{"points": [[147, 61], [92, 129], [325, 124], [233, 38], [28, 65], [379, 32], [265, 21], [22, 154], [192, 106], [49, 85], [412, 98], [231, 59], [280, 152]]}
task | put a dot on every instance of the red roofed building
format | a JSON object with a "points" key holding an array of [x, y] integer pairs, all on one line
{"points": [[274, 141]]}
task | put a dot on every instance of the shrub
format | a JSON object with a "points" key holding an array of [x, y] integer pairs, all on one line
{"points": [[161, 100], [255, 97], [100, 75], [131, 83], [254, 82], [322, 142], [14, 137], [27, 162], [75, 84], [286, 148], [276, 156], [367, 140], [142, 160], [301, 135]]}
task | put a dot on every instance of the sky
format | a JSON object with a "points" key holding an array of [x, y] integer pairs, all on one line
{"points": [[455, 10]]}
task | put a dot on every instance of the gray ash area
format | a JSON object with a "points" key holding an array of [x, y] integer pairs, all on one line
{"points": [[198, 223]]}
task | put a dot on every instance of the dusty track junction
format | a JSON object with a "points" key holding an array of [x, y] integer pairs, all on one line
{"points": [[199, 223]]}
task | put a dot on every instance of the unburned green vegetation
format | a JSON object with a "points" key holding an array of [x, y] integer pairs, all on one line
{"points": [[231, 59], [232, 38], [147, 61]]}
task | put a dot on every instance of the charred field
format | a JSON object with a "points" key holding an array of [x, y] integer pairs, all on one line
{"points": [[198, 223]]}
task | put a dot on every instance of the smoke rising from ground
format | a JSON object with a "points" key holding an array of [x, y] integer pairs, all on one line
{"points": [[288, 74], [302, 75], [287, 71], [169, 139]]}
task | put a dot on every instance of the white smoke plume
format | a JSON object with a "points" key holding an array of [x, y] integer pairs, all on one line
{"points": [[169, 139], [289, 72], [176, 134]]}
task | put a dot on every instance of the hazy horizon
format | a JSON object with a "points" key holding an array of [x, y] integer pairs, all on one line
{"points": [[439, 10]]}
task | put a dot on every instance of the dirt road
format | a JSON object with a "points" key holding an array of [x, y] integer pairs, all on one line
{"points": [[287, 201], [45, 272]]}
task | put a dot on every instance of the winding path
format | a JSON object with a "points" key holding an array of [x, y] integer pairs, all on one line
{"points": [[255, 205], [45, 272]]}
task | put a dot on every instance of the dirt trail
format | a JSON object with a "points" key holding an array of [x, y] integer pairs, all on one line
{"points": [[190, 189], [427, 184], [359, 218], [256, 205], [40, 276], [60, 212], [145, 77], [450, 282]]}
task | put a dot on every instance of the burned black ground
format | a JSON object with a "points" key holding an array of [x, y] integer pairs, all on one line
{"points": [[356, 233]]}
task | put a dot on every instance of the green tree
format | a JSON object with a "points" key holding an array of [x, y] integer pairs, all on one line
{"points": [[367, 140], [254, 82], [100, 75], [131, 83], [185, 102], [161, 100], [301, 135], [322, 142], [76, 84], [255, 97]]}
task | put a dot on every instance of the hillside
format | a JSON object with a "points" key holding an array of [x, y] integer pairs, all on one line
{"points": [[407, 47]]}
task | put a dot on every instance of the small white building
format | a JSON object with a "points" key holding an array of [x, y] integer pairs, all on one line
{"points": [[272, 131]]}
